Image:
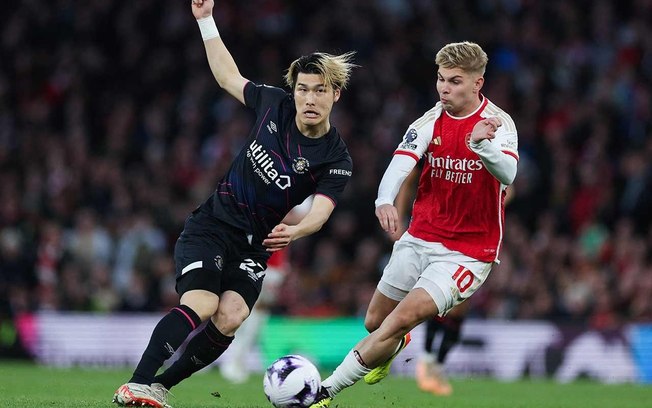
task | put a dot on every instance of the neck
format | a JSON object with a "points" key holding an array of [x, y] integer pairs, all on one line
{"points": [[313, 131], [470, 107]]}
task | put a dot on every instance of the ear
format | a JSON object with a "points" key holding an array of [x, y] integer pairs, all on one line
{"points": [[478, 84], [336, 94]]}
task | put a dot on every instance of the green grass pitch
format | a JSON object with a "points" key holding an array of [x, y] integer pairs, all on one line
{"points": [[27, 385]]}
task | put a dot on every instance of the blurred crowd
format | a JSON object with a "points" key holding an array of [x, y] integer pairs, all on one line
{"points": [[112, 130]]}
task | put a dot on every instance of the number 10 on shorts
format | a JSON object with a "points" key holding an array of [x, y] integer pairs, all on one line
{"points": [[463, 278]]}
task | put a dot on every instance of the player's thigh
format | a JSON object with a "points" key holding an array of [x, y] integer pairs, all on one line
{"points": [[198, 278], [200, 254], [451, 281], [402, 271], [460, 310], [245, 276], [379, 308], [202, 302]]}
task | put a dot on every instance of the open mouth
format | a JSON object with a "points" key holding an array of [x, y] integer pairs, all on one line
{"points": [[311, 114]]}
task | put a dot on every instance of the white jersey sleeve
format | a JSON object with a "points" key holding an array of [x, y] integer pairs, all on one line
{"points": [[506, 139], [394, 176], [500, 164], [419, 134], [499, 155]]}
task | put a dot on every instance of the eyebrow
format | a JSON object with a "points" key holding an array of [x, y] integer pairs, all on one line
{"points": [[449, 79], [308, 86]]}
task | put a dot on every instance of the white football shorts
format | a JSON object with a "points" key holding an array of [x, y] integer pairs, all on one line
{"points": [[450, 277], [272, 283]]}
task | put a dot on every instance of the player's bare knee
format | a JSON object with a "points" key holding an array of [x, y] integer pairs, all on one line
{"points": [[229, 320], [372, 322], [202, 302]]}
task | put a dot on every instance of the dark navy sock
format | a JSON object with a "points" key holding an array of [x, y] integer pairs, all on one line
{"points": [[201, 351], [168, 335]]}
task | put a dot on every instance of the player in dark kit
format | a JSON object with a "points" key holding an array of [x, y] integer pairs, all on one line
{"points": [[292, 152]]}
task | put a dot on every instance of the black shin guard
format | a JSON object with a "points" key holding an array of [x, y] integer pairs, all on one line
{"points": [[201, 351], [168, 335]]}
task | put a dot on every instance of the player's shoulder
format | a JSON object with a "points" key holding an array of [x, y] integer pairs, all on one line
{"points": [[340, 151], [263, 93], [334, 148], [267, 88], [493, 110], [428, 118]]}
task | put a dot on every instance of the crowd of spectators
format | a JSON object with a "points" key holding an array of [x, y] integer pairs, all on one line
{"points": [[112, 130]]}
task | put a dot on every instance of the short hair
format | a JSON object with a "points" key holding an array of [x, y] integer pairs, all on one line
{"points": [[466, 55], [335, 69]]}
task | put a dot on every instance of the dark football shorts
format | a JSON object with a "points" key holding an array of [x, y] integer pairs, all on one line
{"points": [[214, 256]]}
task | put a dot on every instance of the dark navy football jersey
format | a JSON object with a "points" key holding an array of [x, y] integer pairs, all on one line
{"points": [[278, 168]]}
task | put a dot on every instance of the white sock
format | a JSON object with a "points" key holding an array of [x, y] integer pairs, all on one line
{"points": [[398, 348], [345, 375]]}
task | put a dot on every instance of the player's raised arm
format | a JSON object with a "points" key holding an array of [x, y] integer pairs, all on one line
{"points": [[220, 60]]}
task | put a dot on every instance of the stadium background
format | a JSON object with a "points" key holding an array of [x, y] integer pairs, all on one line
{"points": [[112, 129]]}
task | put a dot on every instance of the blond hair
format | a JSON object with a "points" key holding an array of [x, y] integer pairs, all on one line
{"points": [[335, 69], [466, 55]]}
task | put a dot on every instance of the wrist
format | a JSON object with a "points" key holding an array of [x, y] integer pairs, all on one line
{"points": [[208, 28], [383, 201]]}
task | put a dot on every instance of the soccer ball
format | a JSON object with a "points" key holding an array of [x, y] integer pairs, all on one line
{"points": [[291, 382]]}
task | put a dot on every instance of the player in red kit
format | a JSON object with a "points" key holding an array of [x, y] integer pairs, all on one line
{"points": [[469, 147]]}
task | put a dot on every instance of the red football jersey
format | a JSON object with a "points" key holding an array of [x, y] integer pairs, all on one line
{"points": [[459, 203]]}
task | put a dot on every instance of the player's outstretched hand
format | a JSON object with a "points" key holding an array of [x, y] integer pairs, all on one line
{"points": [[485, 129], [388, 217], [280, 237], [202, 8]]}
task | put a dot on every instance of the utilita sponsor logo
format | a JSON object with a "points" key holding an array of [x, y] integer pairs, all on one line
{"points": [[264, 166]]}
